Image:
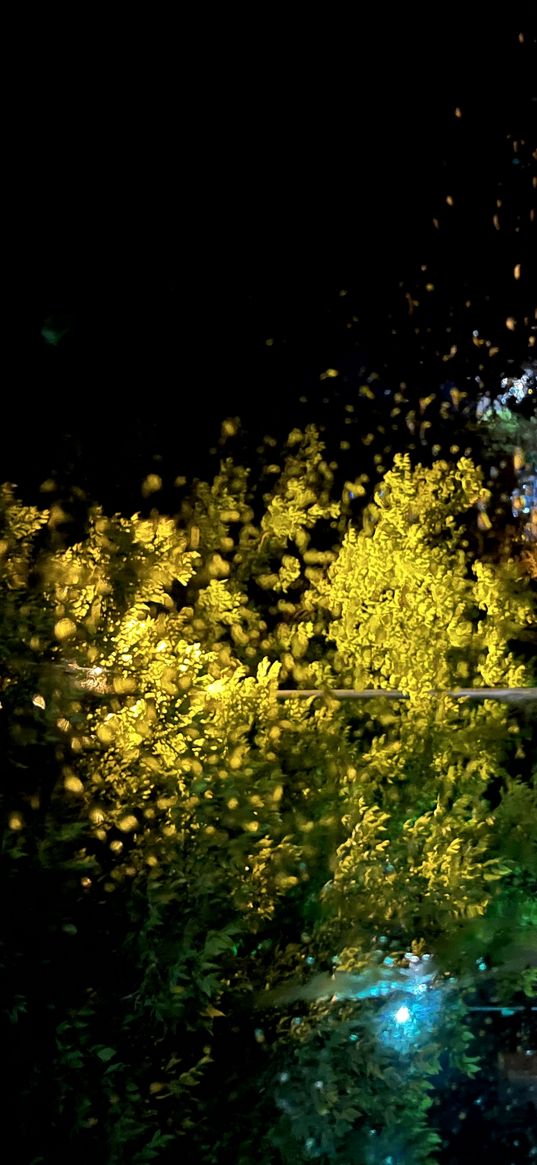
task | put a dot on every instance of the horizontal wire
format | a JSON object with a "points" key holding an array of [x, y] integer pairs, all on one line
{"points": [[508, 694]]}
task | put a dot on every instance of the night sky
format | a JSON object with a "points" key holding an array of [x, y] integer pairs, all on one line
{"points": [[214, 255]]}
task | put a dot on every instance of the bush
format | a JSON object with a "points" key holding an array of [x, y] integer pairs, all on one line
{"points": [[179, 839]]}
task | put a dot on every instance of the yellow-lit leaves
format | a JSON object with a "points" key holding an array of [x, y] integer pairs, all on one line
{"points": [[289, 572], [168, 681], [203, 772], [400, 599], [64, 629], [152, 484], [72, 783], [105, 734], [124, 685], [218, 567], [286, 881], [236, 758], [128, 823], [229, 428], [519, 459]]}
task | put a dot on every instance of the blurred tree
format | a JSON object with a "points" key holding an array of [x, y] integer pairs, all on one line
{"points": [[177, 839]]}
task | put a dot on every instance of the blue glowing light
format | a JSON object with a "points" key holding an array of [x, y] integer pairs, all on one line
{"points": [[404, 1027]]}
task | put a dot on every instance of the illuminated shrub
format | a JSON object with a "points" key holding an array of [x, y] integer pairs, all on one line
{"points": [[194, 839]]}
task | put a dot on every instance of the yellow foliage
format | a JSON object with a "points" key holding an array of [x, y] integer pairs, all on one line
{"points": [[64, 629], [151, 484], [105, 734], [73, 784], [127, 823], [402, 599]]}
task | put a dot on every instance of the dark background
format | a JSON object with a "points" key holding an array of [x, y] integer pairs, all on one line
{"points": [[176, 217]]}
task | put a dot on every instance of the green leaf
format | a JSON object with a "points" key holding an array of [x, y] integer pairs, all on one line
{"points": [[105, 1054]]}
